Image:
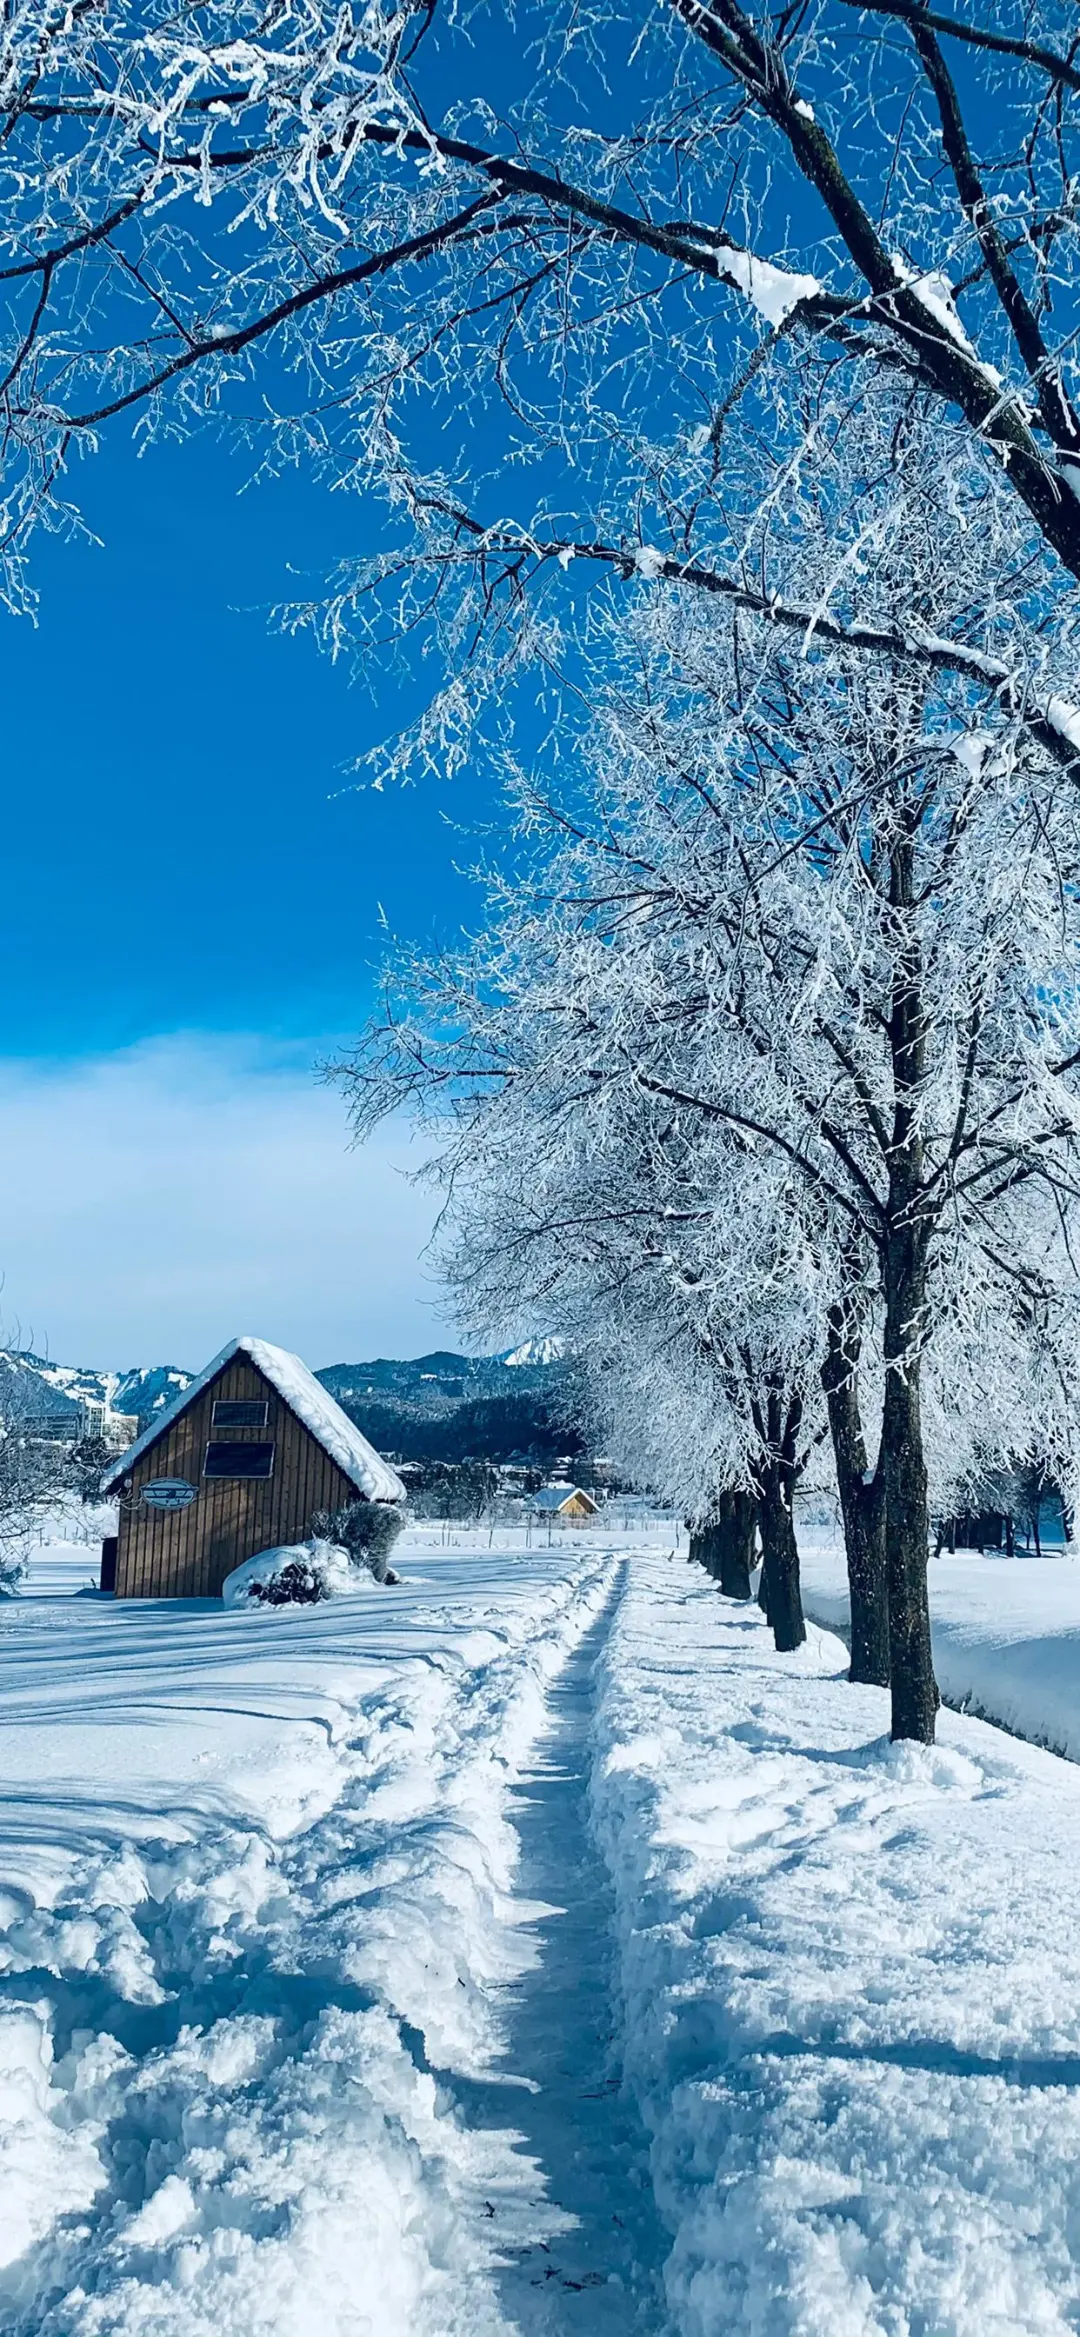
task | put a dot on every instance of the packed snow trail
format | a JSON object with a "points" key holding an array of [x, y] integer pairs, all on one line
{"points": [[562, 2093], [307, 1983]]}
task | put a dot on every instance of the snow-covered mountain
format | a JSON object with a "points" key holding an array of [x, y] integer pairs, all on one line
{"points": [[149, 1388], [455, 1407], [535, 1352], [32, 1388]]}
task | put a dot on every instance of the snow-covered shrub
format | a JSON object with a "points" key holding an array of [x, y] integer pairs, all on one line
{"points": [[368, 1530], [298, 1574], [298, 1585]]}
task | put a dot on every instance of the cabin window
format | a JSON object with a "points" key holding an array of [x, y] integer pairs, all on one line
{"points": [[240, 1412], [238, 1460]]}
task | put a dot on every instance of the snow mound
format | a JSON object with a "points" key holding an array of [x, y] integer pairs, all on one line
{"points": [[44, 2172], [1006, 1634], [297, 1574]]}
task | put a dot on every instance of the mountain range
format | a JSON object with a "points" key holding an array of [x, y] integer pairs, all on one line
{"points": [[439, 1407]]}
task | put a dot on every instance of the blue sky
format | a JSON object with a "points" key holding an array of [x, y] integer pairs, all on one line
{"points": [[181, 860], [180, 851], [192, 916]]}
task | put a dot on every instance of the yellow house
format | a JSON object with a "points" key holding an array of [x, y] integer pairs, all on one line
{"points": [[567, 1505]]}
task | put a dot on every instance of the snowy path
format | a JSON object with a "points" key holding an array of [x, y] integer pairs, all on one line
{"points": [[325, 1938], [601, 2273]]}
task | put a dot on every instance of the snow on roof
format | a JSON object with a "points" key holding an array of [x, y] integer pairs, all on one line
{"points": [[556, 1496], [305, 1395]]}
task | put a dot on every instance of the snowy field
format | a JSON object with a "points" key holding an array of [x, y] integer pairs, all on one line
{"points": [[527, 1950], [1006, 1634]]}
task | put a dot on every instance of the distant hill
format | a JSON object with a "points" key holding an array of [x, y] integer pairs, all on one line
{"points": [[447, 1407]]}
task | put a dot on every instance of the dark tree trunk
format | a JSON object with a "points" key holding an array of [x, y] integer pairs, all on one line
{"points": [[733, 1544], [776, 1474], [1010, 1535], [725, 1545], [907, 1521], [906, 1234], [862, 1507], [780, 1560]]}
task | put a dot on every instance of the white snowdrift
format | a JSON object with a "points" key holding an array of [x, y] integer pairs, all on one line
{"points": [[39, 2162], [850, 1980], [325, 1563]]}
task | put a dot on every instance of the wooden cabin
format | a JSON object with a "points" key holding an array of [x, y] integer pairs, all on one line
{"points": [[566, 1505], [240, 1463]]}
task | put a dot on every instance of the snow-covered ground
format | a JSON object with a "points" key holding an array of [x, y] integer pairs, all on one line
{"points": [[523, 1952], [256, 1899], [850, 1981], [1006, 1634]]}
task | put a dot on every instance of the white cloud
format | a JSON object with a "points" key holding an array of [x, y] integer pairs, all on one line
{"points": [[158, 1201]]}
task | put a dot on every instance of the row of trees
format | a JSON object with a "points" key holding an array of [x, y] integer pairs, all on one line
{"points": [[762, 1081]]}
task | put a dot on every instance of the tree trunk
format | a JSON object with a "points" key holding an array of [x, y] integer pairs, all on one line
{"points": [[733, 1544], [779, 1555], [907, 1226], [780, 1558], [724, 1546], [862, 1507], [907, 1521], [777, 1419]]}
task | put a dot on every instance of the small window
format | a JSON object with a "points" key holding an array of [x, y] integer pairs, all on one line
{"points": [[242, 1412], [239, 1460]]}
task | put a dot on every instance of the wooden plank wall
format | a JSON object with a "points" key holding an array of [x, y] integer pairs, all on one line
{"points": [[186, 1553]]}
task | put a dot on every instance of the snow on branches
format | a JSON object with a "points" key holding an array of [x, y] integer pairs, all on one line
{"points": [[358, 239]]}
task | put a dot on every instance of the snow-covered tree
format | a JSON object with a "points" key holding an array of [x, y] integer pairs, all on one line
{"points": [[685, 1287]]}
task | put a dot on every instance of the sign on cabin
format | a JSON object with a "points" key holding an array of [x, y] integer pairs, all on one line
{"points": [[242, 1462]]}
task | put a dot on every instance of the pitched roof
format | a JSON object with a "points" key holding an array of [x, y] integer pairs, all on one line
{"points": [[306, 1396], [555, 1497]]}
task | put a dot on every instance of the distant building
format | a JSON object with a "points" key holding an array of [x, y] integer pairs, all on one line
{"points": [[97, 1421], [44, 1427], [564, 1504], [242, 1462]]}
